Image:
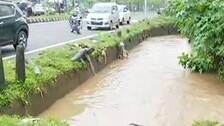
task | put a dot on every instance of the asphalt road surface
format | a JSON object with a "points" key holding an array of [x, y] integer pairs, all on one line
{"points": [[53, 34]]}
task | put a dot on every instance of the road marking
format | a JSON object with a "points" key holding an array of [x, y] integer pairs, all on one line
{"points": [[60, 44], [85, 19], [56, 45]]}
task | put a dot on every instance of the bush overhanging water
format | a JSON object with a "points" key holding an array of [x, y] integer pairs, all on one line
{"points": [[202, 21]]}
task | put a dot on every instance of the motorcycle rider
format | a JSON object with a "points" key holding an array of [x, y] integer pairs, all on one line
{"points": [[77, 9], [76, 15]]}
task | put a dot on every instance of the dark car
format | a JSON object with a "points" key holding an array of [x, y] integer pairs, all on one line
{"points": [[26, 7], [14, 29]]}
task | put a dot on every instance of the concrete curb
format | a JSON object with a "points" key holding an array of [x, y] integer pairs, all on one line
{"points": [[50, 19]]}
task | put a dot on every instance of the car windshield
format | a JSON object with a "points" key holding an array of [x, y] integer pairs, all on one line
{"points": [[38, 6], [100, 9], [24, 5], [120, 8]]}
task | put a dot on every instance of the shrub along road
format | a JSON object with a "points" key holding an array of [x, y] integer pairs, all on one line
{"points": [[47, 35]]}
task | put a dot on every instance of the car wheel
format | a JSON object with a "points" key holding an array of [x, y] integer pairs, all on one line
{"points": [[122, 22], [111, 26], [79, 31], [21, 39], [117, 26], [129, 20], [89, 28]]}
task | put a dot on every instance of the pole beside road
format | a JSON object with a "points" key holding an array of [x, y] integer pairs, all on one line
{"points": [[2, 74], [20, 64], [145, 9]]}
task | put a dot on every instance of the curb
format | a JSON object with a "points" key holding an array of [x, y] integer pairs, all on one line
{"points": [[39, 20], [52, 19]]}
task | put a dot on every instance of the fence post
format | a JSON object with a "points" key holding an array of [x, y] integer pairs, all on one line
{"points": [[2, 75], [20, 64]]}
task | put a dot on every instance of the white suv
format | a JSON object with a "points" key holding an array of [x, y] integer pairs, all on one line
{"points": [[103, 15], [125, 14]]}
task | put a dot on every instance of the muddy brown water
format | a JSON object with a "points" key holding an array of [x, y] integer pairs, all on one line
{"points": [[149, 88]]}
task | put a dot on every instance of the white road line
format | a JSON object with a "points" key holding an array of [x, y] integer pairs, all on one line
{"points": [[55, 45], [134, 20], [59, 44], [131, 20]]}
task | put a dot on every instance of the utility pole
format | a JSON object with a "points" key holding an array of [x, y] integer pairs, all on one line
{"points": [[164, 4], [44, 4], [67, 7], [145, 9], [80, 5]]}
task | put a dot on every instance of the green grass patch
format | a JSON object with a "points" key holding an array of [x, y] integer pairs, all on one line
{"points": [[205, 123], [29, 121]]}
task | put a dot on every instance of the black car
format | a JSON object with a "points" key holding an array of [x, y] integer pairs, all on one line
{"points": [[26, 7], [14, 29]]}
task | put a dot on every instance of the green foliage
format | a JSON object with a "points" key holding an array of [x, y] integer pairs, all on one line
{"points": [[57, 61], [202, 21], [205, 123], [198, 63], [18, 121]]}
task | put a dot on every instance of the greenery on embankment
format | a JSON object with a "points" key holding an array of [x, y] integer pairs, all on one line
{"points": [[203, 23], [56, 62], [29, 121], [205, 123]]}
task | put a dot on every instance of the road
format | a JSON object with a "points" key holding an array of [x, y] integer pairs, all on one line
{"points": [[52, 34]]}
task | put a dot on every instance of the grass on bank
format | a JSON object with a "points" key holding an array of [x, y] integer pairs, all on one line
{"points": [[205, 123], [29, 121]]}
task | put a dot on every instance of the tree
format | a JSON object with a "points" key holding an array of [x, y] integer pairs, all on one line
{"points": [[203, 23]]}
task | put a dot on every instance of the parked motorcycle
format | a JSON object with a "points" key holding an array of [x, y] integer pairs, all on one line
{"points": [[75, 24]]}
